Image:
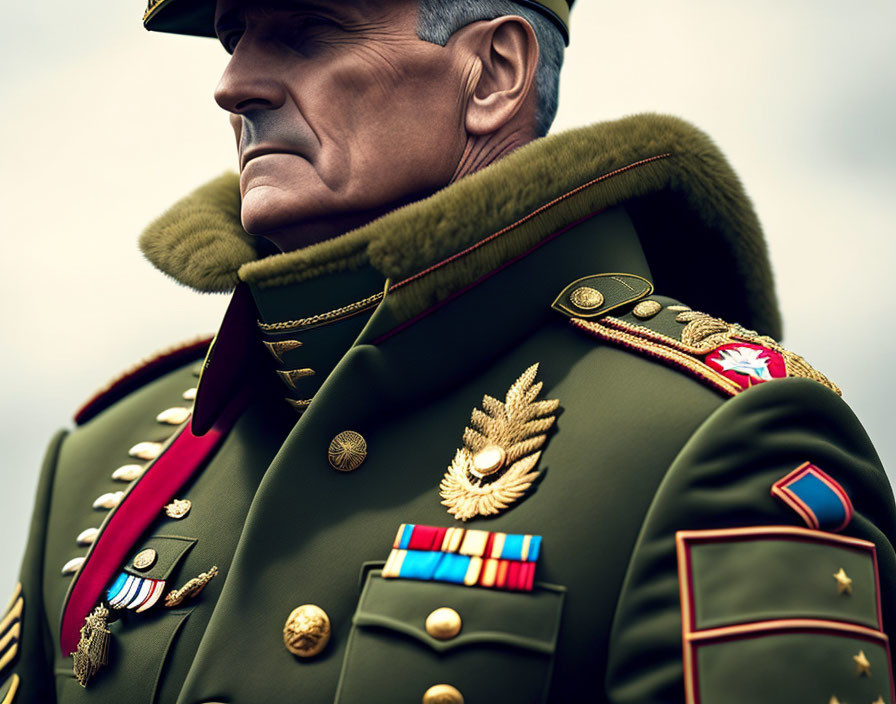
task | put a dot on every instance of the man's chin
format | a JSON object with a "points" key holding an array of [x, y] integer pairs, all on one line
{"points": [[266, 210]]}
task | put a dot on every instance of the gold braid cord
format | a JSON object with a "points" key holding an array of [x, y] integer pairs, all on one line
{"points": [[93, 648], [701, 335], [497, 463]]}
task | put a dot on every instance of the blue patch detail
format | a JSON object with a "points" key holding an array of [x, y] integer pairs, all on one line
{"points": [[419, 564], [534, 548], [117, 586], [452, 568], [513, 547], [823, 501], [406, 536]]}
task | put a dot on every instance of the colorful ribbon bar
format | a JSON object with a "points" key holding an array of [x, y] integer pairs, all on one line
{"points": [[462, 556], [135, 593]]}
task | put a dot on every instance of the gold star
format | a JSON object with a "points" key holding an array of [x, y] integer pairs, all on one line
{"points": [[844, 583], [834, 700], [879, 700], [863, 667]]}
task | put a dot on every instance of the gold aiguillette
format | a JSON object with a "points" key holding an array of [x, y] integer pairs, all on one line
{"points": [[93, 648]]}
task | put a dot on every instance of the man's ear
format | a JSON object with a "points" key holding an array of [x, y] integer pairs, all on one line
{"points": [[505, 53]]}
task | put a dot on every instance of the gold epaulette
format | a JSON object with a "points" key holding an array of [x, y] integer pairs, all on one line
{"points": [[723, 355]]}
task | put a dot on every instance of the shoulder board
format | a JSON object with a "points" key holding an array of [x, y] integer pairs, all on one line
{"points": [[725, 356], [145, 371]]}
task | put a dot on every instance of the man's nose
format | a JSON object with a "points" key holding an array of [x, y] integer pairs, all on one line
{"points": [[249, 82]]}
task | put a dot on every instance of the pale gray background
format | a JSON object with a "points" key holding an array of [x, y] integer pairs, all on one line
{"points": [[105, 125]]}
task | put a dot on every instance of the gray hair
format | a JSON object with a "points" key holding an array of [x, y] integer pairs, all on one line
{"points": [[439, 19]]}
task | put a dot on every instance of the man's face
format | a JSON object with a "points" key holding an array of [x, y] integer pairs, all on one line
{"points": [[340, 111]]}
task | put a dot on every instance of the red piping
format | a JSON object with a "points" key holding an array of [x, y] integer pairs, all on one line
{"points": [[139, 508]]}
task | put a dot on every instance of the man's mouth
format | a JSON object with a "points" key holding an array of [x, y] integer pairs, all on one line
{"points": [[262, 150]]}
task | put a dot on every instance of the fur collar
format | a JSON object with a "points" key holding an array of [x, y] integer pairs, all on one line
{"points": [[698, 228]]}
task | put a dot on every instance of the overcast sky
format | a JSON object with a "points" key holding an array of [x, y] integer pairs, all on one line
{"points": [[105, 126]]}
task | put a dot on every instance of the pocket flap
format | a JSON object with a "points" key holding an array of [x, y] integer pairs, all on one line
{"points": [[528, 620], [168, 551]]}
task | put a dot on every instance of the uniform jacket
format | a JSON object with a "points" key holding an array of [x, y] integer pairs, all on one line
{"points": [[714, 523]]}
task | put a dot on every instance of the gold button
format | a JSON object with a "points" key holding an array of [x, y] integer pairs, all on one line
{"points": [[347, 451], [647, 309], [173, 416], [72, 566], [307, 630], [145, 559], [586, 298], [443, 694], [146, 450], [443, 623], [178, 508], [488, 460], [109, 500], [128, 472], [87, 537]]}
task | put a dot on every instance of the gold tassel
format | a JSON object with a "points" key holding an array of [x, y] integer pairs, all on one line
{"points": [[93, 648]]}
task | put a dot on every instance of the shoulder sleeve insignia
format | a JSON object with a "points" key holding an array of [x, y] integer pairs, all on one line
{"points": [[143, 372], [726, 356], [819, 500], [749, 616]]}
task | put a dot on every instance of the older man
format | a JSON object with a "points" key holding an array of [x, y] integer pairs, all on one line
{"points": [[507, 469]]}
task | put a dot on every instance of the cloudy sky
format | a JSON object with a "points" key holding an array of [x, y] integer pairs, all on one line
{"points": [[106, 125]]}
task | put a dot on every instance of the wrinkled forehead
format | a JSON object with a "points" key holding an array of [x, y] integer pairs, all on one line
{"points": [[236, 10]]}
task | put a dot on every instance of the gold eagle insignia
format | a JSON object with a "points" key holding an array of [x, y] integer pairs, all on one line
{"points": [[497, 463]]}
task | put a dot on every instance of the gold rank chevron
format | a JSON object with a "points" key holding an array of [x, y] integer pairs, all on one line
{"points": [[11, 628], [497, 463], [12, 691]]}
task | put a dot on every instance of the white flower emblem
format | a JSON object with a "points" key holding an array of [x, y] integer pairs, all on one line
{"points": [[744, 360]]}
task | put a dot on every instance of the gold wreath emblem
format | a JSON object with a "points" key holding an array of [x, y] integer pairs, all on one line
{"points": [[497, 463]]}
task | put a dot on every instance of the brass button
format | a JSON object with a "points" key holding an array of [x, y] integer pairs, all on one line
{"points": [[178, 508], [586, 298], [488, 460], [647, 309], [173, 416], [443, 694], [87, 537], [146, 450], [109, 500], [72, 566], [128, 472], [307, 630], [145, 559], [348, 450], [443, 623]]}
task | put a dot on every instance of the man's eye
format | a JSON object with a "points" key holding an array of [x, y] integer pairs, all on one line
{"points": [[308, 28]]}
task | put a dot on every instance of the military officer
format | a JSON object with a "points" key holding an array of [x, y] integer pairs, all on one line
{"points": [[478, 431]]}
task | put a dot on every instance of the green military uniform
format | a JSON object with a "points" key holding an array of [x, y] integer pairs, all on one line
{"points": [[714, 523]]}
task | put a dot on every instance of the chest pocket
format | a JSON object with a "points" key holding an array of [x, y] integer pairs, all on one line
{"points": [[504, 650], [140, 643]]}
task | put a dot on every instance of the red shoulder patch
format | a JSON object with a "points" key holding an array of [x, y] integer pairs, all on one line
{"points": [[143, 372]]}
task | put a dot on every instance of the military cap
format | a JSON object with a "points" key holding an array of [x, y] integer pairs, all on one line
{"points": [[197, 17]]}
